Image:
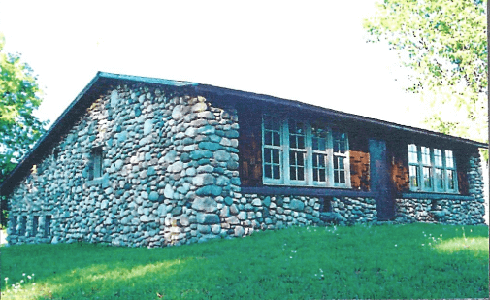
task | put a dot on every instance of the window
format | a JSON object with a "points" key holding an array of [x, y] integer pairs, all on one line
{"points": [[301, 153], [13, 226], [95, 164], [47, 223], [431, 169], [22, 227], [35, 224], [326, 205]]}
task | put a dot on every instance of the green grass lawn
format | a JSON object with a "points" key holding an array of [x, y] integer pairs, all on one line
{"points": [[362, 261]]}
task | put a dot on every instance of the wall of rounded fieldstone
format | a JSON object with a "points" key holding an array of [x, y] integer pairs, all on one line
{"points": [[445, 211], [470, 210], [170, 164]]}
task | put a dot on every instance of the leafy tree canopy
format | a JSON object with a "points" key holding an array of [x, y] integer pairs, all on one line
{"points": [[19, 97], [445, 44]]}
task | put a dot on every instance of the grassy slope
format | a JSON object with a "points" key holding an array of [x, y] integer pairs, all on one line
{"points": [[389, 261]]}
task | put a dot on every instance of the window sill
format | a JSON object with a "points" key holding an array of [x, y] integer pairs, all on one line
{"points": [[305, 191], [96, 181], [304, 185], [434, 195]]}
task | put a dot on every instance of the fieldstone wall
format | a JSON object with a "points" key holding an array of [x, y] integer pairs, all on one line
{"points": [[170, 165], [449, 211], [274, 212]]}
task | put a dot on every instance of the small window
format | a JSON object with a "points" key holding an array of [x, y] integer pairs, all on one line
{"points": [[13, 226], [35, 225], [47, 223], [95, 165], [23, 225], [56, 153], [326, 204]]}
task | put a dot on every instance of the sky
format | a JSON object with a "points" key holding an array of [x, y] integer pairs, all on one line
{"points": [[315, 52]]}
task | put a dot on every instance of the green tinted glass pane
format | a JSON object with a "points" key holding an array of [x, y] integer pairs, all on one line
{"points": [[450, 179], [426, 172], [268, 171], [413, 174], [277, 174], [438, 177], [275, 155], [449, 159], [437, 157], [267, 155], [322, 176], [412, 157], [425, 156], [268, 138], [292, 158], [292, 173], [301, 173], [301, 160]]}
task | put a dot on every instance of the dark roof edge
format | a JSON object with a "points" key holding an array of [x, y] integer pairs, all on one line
{"points": [[302, 105], [144, 79]]}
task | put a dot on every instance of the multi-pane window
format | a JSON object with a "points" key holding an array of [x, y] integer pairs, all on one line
{"points": [[339, 156], [431, 169], [413, 169], [297, 150], [302, 153], [272, 148], [426, 168], [450, 170], [319, 138], [438, 168]]}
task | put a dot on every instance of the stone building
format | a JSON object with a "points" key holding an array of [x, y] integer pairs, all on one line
{"points": [[148, 162]]}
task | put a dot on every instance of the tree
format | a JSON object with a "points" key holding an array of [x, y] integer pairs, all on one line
{"points": [[19, 97], [445, 44]]}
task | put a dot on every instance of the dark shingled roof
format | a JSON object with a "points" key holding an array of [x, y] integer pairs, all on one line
{"points": [[102, 81]]}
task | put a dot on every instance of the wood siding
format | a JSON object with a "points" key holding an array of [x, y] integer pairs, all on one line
{"points": [[250, 147], [359, 163], [399, 167], [462, 168]]}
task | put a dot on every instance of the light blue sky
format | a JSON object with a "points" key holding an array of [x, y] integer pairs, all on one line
{"points": [[315, 52]]}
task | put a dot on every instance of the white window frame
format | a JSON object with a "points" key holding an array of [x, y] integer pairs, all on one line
{"points": [[420, 167], [284, 157]]}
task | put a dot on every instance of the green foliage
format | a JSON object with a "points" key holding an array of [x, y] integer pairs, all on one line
{"points": [[445, 44], [19, 97], [362, 261], [19, 129]]}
